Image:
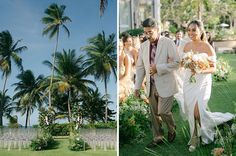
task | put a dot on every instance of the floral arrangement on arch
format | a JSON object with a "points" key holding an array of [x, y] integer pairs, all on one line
{"points": [[223, 70]]}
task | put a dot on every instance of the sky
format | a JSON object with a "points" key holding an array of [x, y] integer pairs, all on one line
{"points": [[22, 18]]}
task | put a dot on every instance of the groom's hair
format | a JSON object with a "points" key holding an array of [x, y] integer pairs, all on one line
{"points": [[150, 22]]}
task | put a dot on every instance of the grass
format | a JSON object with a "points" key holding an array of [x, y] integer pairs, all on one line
{"points": [[223, 99], [62, 150]]}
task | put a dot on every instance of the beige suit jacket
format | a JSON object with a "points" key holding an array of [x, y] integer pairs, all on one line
{"points": [[165, 79]]}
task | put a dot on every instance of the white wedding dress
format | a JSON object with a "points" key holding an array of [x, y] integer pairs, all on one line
{"points": [[200, 92]]}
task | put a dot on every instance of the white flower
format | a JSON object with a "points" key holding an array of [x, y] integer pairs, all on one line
{"points": [[187, 54], [203, 55], [195, 58]]}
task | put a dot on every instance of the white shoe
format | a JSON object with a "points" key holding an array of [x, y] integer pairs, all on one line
{"points": [[192, 148]]}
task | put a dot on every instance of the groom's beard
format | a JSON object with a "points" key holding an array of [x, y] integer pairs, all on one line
{"points": [[152, 38]]}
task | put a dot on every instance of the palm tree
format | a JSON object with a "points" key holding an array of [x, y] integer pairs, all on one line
{"points": [[93, 105], [27, 93], [103, 5], [101, 60], [8, 52], [53, 20], [70, 75], [6, 106]]}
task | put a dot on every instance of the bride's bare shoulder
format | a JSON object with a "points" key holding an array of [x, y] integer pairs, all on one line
{"points": [[187, 46], [208, 49]]}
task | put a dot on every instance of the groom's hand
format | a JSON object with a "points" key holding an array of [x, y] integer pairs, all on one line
{"points": [[137, 93], [153, 69]]}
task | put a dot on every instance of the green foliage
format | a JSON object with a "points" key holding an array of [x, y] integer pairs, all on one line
{"points": [[61, 129], [225, 138], [133, 32], [225, 34], [77, 144], [173, 28], [223, 70], [133, 120], [13, 122], [46, 118], [101, 125], [93, 107], [43, 142]]}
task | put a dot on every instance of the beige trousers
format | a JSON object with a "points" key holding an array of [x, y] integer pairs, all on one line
{"points": [[160, 112]]}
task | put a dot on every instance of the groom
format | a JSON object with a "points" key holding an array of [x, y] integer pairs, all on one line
{"points": [[161, 81]]}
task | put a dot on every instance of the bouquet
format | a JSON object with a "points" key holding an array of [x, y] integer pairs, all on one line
{"points": [[196, 62]]}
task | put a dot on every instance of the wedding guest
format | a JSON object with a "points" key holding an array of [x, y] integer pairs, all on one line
{"points": [[178, 37], [126, 85], [131, 52], [209, 38]]}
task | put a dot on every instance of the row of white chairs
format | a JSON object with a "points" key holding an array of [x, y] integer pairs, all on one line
{"points": [[17, 138], [100, 138]]}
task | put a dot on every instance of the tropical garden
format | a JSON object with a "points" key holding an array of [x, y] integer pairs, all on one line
{"points": [[134, 121], [69, 93]]}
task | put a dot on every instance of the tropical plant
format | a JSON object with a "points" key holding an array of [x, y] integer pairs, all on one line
{"points": [[77, 144], [101, 61], [43, 142], [9, 51], [13, 122], [27, 94], [225, 138], [53, 20], [208, 11], [133, 32], [133, 120], [6, 106], [70, 76], [93, 106], [103, 5]]}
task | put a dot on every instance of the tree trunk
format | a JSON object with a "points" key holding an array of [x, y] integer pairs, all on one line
{"points": [[106, 100], [1, 104], [1, 116], [68, 103], [199, 10], [54, 56], [27, 116], [5, 83]]}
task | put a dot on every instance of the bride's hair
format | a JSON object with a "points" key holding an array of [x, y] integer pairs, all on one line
{"points": [[199, 24]]}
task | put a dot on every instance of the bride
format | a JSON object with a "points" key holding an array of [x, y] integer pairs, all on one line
{"points": [[196, 94]]}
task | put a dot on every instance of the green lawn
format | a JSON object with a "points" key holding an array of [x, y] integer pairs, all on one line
{"points": [[223, 99], [62, 150]]}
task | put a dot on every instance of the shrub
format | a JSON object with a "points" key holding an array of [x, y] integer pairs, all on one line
{"points": [[43, 142], [225, 138], [77, 144], [223, 70], [133, 32], [13, 123], [133, 121], [101, 125], [61, 129]]}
